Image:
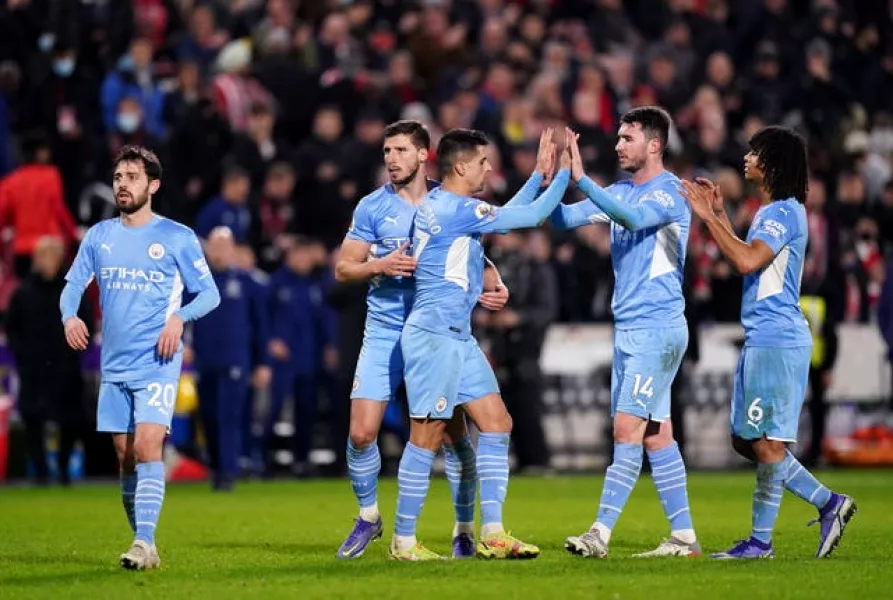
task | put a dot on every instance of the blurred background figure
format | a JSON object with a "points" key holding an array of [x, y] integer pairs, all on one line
{"points": [[516, 334], [230, 348], [52, 386], [303, 341], [33, 205]]}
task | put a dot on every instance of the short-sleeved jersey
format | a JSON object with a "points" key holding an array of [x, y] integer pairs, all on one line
{"points": [[384, 220], [770, 304], [141, 273], [649, 263], [450, 261]]}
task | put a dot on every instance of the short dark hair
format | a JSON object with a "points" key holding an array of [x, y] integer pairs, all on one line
{"points": [[235, 171], [32, 144], [132, 153], [654, 121], [417, 132], [457, 143], [782, 156]]}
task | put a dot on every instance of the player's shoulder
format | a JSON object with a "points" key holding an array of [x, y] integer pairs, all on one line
{"points": [[174, 227], [176, 231], [376, 198], [98, 232], [789, 208]]}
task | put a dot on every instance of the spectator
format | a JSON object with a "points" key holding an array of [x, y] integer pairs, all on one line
{"points": [[230, 209], [52, 386], [31, 201], [134, 78]]}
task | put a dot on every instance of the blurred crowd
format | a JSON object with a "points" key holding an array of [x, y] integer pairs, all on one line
{"points": [[268, 119]]}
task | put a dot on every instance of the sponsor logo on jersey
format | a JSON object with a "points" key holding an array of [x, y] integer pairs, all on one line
{"points": [[122, 278], [773, 228], [660, 197]]}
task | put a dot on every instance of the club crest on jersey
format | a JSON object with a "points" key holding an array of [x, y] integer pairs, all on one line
{"points": [[233, 288], [440, 405], [156, 251]]}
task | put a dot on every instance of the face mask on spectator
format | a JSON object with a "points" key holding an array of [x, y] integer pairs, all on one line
{"points": [[128, 122], [46, 42], [64, 67]]}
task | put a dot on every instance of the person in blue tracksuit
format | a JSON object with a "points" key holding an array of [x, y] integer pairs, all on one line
{"points": [[329, 357], [299, 318], [250, 457], [230, 354]]}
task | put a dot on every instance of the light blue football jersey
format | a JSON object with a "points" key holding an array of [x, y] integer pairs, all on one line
{"points": [[141, 273], [770, 304], [384, 220], [449, 274], [649, 263]]}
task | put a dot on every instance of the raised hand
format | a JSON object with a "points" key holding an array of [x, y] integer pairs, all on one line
{"points": [[717, 203], [576, 161], [545, 155]]}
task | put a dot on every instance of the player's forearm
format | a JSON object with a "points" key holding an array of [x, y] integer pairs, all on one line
{"points": [[349, 271], [528, 191], [631, 218], [570, 216], [70, 300], [206, 301], [725, 220], [551, 198], [742, 255]]}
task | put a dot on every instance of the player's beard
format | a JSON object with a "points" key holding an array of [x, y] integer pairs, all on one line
{"points": [[633, 166], [405, 180], [138, 202]]}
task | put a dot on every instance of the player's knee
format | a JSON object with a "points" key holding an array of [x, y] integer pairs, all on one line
{"points": [[769, 451], [362, 435], [497, 423], [146, 449], [427, 434], [628, 431]]}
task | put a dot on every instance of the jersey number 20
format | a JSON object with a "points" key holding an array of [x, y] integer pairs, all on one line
{"points": [[163, 396]]}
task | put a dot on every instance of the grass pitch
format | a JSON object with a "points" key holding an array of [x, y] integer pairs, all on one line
{"points": [[278, 540]]}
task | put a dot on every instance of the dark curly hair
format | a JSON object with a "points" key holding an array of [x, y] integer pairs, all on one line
{"points": [[782, 156]]}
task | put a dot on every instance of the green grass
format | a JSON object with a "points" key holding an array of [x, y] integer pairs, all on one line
{"points": [[278, 540]]}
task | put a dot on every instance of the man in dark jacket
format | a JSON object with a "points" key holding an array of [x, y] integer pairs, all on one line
{"points": [[230, 353], [518, 333], [52, 386]]}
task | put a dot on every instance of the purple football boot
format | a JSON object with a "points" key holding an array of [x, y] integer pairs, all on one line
{"points": [[364, 532], [749, 548]]}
